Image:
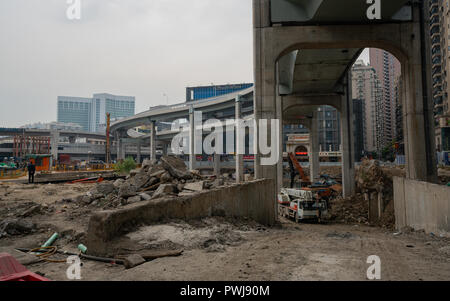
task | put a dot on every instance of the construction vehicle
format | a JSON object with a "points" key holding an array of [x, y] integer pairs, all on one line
{"points": [[309, 202], [302, 204], [304, 179]]}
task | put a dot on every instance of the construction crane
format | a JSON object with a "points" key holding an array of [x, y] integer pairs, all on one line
{"points": [[305, 179]]}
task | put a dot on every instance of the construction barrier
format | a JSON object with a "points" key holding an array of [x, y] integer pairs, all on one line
{"points": [[7, 174]]}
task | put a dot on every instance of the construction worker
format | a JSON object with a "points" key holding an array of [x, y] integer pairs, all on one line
{"points": [[31, 171]]}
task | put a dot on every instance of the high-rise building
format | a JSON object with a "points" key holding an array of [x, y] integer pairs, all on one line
{"points": [[440, 52], [367, 87], [388, 70], [329, 128], [358, 128], [90, 113]]}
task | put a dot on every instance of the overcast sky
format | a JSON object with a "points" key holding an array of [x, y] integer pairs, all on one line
{"points": [[142, 48]]}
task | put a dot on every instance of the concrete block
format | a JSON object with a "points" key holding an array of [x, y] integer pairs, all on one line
{"points": [[196, 186], [133, 260]]}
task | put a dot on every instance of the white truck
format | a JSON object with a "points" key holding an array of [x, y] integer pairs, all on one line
{"points": [[301, 204]]}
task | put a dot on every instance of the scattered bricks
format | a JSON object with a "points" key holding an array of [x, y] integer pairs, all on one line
{"points": [[163, 190], [133, 260], [145, 196], [196, 186]]}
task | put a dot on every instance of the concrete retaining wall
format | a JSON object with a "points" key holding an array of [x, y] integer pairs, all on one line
{"points": [[421, 205], [254, 200]]}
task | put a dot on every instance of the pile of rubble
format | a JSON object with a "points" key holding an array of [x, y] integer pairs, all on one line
{"points": [[169, 176], [373, 186], [371, 177], [374, 183]]}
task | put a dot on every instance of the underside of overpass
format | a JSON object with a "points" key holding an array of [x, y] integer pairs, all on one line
{"points": [[303, 51]]}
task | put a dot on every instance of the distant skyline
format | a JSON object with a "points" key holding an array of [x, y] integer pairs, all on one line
{"points": [[142, 48]]}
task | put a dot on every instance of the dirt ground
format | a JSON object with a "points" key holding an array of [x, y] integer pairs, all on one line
{"points": [[226, 249]]}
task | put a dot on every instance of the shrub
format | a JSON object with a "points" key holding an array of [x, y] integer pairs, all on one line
{"points": [[126, 165]]}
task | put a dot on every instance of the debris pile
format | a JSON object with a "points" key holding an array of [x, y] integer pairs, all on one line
{"points": [[370, 178], [167, 177], [374, 187]]}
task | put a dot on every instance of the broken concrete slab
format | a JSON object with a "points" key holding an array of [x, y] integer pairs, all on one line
{"points": [[127, 190], [117, 183], [196, 186], [176, 167], [164, 190], [145, 196], [134, 199], [105, 188]]}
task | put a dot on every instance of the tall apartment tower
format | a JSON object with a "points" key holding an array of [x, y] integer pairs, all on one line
{"points": [[440, 51], [388, 70], [90, 113], [367, 88]]}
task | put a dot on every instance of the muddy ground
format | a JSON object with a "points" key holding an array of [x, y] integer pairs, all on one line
{"points": [[223, 249]]}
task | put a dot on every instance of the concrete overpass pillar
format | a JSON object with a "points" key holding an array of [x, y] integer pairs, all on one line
{"points": [[192, 157], [418, 121], [153, 141], [138, 156], [265, 100], [239, 140], [348, 163], [216, 165], [314, 160]]}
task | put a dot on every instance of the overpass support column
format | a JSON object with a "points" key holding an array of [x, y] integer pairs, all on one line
{"points": [[314, 159], [191, 139], [265, 100], [217, 165], [240, 138], [153, 141], [418, 121], [138, 156], [348, 164]]}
